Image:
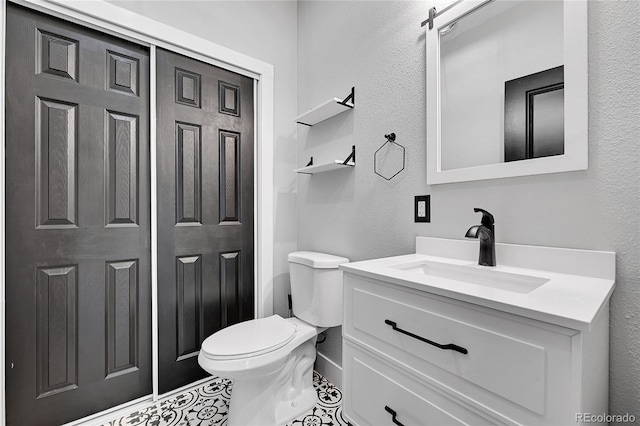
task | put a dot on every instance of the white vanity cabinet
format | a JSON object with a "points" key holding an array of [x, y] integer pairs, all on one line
{"points": [[420, 355]]}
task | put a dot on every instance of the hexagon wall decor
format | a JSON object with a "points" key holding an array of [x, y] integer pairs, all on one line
{"points": [[389, 160]]}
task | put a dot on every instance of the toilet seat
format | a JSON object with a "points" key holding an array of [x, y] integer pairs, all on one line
{"points": [[249, 339]]}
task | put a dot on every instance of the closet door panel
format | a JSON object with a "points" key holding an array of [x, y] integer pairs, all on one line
{"points": [[205, 209], [78, 299]]}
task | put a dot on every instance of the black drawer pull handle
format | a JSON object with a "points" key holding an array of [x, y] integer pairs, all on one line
{"points": [[393, 415], [449, 346]]}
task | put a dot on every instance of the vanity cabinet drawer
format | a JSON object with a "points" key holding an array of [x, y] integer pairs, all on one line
{"points": [[377, 393], [489, 359]]}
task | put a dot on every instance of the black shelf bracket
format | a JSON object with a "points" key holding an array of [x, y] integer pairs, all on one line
{"points": [[310, 163], [352, 156], [351, 97]]}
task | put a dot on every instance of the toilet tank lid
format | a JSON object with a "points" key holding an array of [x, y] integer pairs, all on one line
{"points": [[317, 260]]}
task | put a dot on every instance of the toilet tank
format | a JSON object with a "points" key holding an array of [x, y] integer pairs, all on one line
{"points": [[316, 287]]}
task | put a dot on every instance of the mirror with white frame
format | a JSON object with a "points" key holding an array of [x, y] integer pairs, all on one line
{"points": [[506, 89]]}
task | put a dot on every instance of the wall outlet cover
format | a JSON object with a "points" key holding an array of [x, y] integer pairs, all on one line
{"points": [[422, 208]]}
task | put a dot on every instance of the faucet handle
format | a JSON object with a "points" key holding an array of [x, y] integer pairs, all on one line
{"points": [[487, 218]]}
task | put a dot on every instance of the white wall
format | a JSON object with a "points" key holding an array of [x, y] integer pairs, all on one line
{"points": [[379, 48], [265, 30]]}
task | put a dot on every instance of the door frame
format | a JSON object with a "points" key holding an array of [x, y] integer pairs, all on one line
{"points": [[111, 19]]}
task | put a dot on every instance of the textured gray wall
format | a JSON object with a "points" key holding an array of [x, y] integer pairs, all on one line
{"points": [[379, 48], [265, 30]]}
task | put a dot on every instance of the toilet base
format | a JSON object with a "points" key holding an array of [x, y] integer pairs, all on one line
{"points": [[279, 396], [305, 402]]}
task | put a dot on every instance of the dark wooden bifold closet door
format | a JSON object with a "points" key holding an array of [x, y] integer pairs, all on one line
{"points": [[78, 298], [205, 209]]}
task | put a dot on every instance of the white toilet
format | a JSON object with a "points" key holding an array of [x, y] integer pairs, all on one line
{"points": [[270, 360]]}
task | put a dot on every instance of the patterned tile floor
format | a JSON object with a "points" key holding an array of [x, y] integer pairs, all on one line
{"points": [[209, 403]]}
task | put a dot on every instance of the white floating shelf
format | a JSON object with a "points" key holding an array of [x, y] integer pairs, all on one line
{"points": [[320, 168], [327, 110]]}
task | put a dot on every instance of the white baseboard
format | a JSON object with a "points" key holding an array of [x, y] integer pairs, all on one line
{"points": [[329, 369]]}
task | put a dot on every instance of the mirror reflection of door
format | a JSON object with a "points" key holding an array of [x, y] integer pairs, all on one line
{"points": [[534, 115]]}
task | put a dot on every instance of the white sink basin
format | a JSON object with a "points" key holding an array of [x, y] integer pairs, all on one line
{"points": [[565, 287], [474, 274]]}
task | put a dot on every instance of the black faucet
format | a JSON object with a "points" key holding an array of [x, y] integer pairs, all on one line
{"points": [[485, 233]]}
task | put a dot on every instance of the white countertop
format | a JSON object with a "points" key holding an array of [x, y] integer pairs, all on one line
{"points": [[572, 296]]}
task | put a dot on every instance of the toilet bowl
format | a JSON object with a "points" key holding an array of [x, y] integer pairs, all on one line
{"points": [[272, 381], [270, 360]]}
